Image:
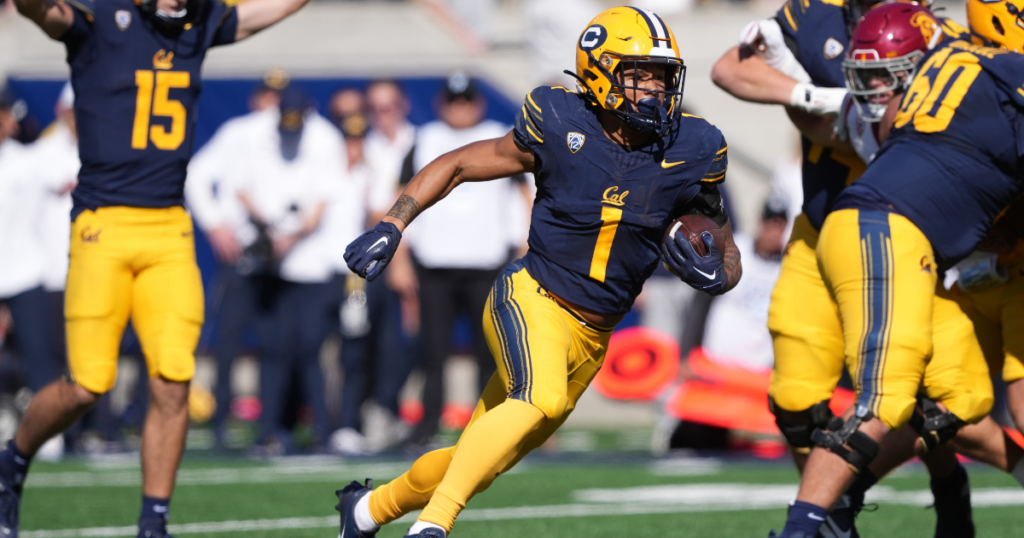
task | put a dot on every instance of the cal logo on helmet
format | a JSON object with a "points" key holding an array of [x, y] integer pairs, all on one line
{"points": [[593, 37], [575, 141]]}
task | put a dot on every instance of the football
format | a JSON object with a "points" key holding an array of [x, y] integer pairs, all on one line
{"points": [[692, 226]]}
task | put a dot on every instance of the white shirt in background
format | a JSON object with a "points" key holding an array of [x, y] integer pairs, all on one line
{"points": [[736, 331], [385, 158], [22, 199], [345, 216], [211, 189], [57, 165], [477, 224], [283, 191]]}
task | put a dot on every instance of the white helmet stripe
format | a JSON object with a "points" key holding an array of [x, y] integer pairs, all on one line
{"points": [[658, 28]]}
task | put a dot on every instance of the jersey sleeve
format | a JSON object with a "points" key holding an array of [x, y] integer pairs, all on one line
{"points": [[226, 18], [81, 24], [529, 125], [719, 163], [789, 19]]}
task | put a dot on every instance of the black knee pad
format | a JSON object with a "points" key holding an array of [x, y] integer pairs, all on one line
{"points": [[935, 426], [842, 434], [798, 432]]}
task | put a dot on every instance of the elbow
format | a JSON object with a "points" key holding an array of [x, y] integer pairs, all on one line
{"points": [[723, 72]]}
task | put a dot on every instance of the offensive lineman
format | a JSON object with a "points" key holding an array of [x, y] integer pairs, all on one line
{"points": [[615, 162], [929, 198], [795, 59], [135, 69]]}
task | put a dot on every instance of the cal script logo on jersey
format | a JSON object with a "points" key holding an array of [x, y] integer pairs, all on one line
{"points": [[575, 141], [123, 19], [612, 197], [833, 48]]}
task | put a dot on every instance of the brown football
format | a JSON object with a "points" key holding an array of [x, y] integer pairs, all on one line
{"points": [[692, 226]]}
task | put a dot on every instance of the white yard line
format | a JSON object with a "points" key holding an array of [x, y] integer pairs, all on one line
{"points": [[218, 476], [594, 502]]}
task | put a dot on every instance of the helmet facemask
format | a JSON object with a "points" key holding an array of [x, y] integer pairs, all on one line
{"points": [[869, 80], [171, 21], [650, 114]]}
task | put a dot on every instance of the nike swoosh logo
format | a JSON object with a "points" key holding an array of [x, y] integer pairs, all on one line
{"points": [[666, 164], [382, 239], [812, 516], [712, 277]]}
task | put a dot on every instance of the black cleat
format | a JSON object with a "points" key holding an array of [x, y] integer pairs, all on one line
{"points": [[347, 499], [10, 502], [152, 527]]}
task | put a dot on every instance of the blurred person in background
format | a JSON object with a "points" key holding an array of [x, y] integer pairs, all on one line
{"points": [[55, 155], [736, 330], [292, 166], [23, 196], [393, 300], [552, 25], [212, 196], [459, 248]]}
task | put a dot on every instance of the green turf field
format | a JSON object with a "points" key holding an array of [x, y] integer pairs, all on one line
{"points": [[592, 495]]}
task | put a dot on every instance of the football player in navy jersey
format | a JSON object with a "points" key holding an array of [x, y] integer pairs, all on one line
{"points": [[950, 166], [135, 69], [615, 163], [796, 60]]}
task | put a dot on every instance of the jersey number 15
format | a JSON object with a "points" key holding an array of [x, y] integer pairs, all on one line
{"points": [[155, 102]]}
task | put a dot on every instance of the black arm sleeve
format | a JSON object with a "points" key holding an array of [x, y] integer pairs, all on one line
{"points": [[708, 203], [407, 173]]}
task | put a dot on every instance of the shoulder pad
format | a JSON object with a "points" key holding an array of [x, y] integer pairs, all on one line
{"points": [[797, 13], [85, 6]]}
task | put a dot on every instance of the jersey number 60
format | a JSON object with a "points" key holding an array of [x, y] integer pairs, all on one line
{"points": [[955, 75], [158, 104]]}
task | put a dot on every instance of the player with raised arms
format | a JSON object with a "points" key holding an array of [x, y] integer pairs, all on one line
{"points": [[932, 193], [615, 161], [135, 69]]}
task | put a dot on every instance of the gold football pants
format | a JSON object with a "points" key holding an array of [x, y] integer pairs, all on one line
{"points": [[138, 263]]}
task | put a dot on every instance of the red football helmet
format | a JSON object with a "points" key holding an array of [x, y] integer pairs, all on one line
{"points": [[883, 54]]}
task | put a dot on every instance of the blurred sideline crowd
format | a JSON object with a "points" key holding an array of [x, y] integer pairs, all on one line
{"points": [[278, 194]]}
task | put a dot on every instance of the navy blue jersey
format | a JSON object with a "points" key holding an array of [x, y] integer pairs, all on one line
{"points": [[135, 100], [952, 162], [817, 33], [601, 209]]}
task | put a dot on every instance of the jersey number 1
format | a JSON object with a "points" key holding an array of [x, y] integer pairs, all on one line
{"points": [[156, 103], [955, 75], [610, 218]]}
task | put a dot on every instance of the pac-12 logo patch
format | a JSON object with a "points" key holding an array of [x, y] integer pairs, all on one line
{"points": [[593, 37], [833, 48], [123, 19], [575, 141]]}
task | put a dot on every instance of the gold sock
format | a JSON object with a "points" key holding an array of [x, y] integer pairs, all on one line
{"points": [[412, 490], [486, 448]]}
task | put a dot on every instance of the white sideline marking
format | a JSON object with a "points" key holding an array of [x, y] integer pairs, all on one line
{"points": [[218, 476], [594, 502]]}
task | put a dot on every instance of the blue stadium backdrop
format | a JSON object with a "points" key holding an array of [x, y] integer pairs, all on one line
{"points": [[223, 99]]}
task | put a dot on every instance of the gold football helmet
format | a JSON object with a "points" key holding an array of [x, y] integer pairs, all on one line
{"points": [[625, 38], [997, 23]]}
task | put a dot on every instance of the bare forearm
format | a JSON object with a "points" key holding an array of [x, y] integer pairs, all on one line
{"points": [[745, 76], [818, 129], [52, 16], [256, 15], [428, 187], [731, 258], [480, 161]]}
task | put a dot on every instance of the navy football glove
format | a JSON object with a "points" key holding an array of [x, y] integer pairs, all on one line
{"points": [[371, 252], [703, 273]]}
